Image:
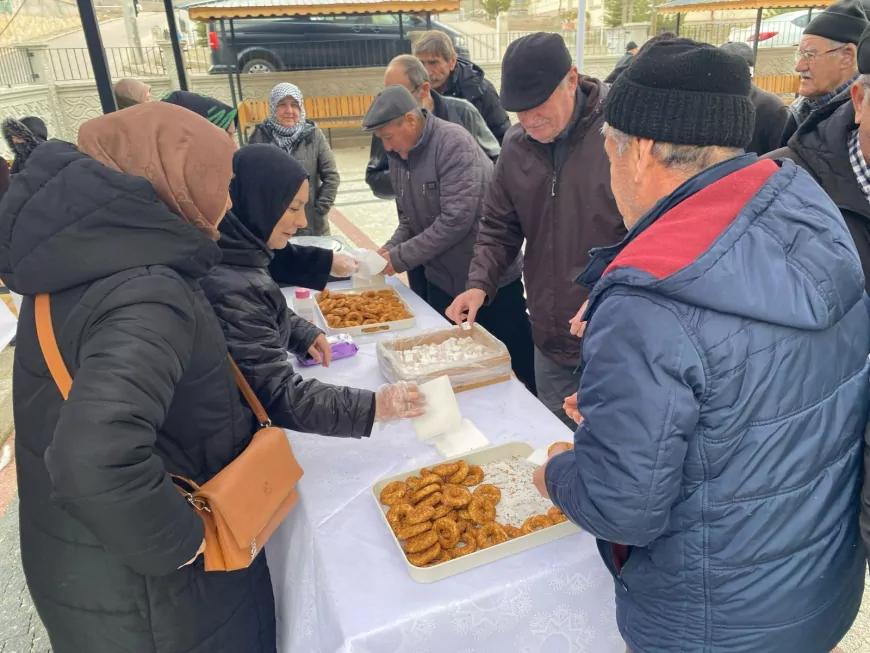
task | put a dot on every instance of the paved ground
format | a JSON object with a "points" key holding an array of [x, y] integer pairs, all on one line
{"points": [[361, 219], [113, 33]]}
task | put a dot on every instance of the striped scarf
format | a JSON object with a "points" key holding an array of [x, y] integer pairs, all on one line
{"points": [[286, 137]]}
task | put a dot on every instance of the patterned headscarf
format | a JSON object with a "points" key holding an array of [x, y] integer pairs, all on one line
{"points": [[188, 160], [286, 137]]}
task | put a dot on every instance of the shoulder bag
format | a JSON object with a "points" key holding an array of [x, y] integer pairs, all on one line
{"points": [[247, 500]]}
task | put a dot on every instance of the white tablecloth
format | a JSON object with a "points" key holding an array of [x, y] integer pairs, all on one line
{"points": [[340, 586], [8, 321]]}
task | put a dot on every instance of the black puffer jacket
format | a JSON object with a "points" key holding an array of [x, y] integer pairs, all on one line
{"points": [[468, 81], [259, 329], [103, 530], [821, 147]]}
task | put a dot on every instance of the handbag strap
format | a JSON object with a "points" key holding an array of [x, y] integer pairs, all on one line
{"points": [[61, 376]]}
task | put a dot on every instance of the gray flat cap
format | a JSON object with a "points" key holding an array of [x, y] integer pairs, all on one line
{"points": [[391, 103]]}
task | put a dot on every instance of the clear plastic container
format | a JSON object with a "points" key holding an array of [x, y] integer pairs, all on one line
{"points": [[303, 305]]}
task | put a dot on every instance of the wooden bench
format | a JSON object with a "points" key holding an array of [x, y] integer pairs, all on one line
{"points": [[328, 112], [779, 84]]}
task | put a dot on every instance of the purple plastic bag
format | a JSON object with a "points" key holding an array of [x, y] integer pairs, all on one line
{"points": [[342, 346]]}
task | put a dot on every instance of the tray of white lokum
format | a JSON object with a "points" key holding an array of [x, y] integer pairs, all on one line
{"points": [[472, 358]]}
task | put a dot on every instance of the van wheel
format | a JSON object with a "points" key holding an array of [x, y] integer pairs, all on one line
{"points": [[258, 66]]}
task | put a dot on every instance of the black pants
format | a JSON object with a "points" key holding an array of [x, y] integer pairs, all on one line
{"points": [[418, 283], [507, 319]]}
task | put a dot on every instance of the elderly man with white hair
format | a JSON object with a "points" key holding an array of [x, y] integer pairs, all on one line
{"points": [[826, 60], [833, 145], [723, 389]]}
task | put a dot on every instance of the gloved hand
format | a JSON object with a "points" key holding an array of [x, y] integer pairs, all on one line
{"points": [[399, 401], [343, 265]]}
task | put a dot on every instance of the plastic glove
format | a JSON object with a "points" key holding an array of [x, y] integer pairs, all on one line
{"points": [[399, 401], [343, 265]]}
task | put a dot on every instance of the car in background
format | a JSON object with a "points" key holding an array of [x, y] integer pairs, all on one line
{"points": [[781, 30], [316, 42]]}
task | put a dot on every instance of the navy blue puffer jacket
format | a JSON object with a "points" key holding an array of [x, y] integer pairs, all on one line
{"points": [[724, 390]]}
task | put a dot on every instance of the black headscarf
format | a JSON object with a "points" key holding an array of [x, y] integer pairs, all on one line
{"points": [[215, 111], [31, 130], [266, 181]]}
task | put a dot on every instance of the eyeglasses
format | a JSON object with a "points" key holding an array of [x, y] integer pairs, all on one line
{"points": [[811, 56]]}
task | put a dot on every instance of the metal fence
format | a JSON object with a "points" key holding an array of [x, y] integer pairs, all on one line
{"points": [[72, 64], [15, 67], [309, 55]]}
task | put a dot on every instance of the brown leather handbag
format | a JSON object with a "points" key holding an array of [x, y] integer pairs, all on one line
{"points": [[247, 500]]}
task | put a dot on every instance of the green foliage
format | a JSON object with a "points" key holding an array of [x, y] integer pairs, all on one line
{"points": [[618, 12], [202, 34], [495, 7]]}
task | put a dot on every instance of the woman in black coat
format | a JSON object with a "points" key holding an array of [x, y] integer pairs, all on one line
{"points": [[120, 234], [269, 192]]}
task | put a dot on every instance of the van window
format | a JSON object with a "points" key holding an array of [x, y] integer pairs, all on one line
{"points": [[801, 21]]}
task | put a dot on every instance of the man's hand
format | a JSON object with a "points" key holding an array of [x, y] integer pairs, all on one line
{"points": [[570, 408], [578, 326], [320, 351], [389, 270], [540, 477], [465, 306]]}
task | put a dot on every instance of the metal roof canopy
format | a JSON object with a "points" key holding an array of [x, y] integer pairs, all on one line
{"points": [[679, 7], [685, 6], [218, 9]]}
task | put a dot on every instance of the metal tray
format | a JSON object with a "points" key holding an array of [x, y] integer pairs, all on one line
{"points": [[367, 329], [478, 558]]}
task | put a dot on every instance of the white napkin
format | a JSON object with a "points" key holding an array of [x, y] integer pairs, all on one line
{"points": [[463, 440], [442, 411], [370, 262], [538, 457]]}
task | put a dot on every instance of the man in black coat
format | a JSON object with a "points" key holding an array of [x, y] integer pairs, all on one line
{"points": [[771, 113], [833, 145], [456, 77], [826, 60]]}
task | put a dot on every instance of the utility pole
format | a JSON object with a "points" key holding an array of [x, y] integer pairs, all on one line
{"points": [[131, 27]]}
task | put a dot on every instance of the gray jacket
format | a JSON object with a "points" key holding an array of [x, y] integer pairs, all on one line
{"points": [[439, 195], [451, 109], [313, 152]]}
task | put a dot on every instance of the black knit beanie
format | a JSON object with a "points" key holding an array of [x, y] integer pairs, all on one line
{"points": [[684, 93], [843, 21]]}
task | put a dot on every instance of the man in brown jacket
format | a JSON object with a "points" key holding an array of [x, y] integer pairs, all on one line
{"points": [[551, 189]]}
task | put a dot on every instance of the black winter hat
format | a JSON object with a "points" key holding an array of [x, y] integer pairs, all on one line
{"points": [[864, 52], [685, 93], [215, 111], [844, 22], [532, 68]]}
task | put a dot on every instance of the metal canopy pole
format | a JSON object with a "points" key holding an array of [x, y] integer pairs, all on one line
{"points": [[757, 32], [176, 45], [581, 34], [236, 59], [401, 34], [679, 15], [98, 56], [428, 20], [223, 28]]}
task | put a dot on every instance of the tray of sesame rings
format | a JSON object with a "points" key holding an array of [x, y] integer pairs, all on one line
{"points": [[360, 311], [467, 512]]}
